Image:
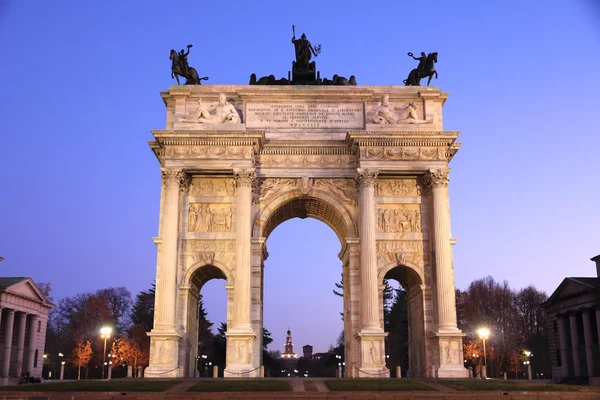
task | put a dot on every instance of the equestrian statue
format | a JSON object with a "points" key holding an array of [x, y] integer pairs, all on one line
{"points": [[424, 70], [180, 67]]}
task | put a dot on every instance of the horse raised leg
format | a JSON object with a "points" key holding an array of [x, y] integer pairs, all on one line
{"points": [[431, 76]]}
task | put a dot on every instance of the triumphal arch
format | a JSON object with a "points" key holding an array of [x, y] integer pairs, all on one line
{"points": [[371, 162]]}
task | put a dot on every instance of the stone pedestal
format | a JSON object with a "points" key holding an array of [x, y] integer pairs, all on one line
{"points": [[164, 355], [372, 356], [239, 356], [448, 356]]}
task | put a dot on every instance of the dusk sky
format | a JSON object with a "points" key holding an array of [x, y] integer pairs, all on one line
{"points": [[80, 81]]}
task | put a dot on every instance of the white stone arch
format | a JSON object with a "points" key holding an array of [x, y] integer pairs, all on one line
{"points": [[190, 292], [350, 227], [412, 278], [222, 267]]}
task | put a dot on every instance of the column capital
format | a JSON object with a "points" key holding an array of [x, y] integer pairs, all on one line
{"points": [[244, 177], [172, 177], [437, 178], [366, 177]]}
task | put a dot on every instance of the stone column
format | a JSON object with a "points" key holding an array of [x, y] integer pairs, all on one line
{"points": [[21, 342], [438, 180], [575, 344], [243, 295], [369, 313], [166, 279], [31, 344], [562, 336], [8, 334], [587, 337]]}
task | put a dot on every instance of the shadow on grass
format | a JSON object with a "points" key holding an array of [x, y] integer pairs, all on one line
{"points": [[375, 385], [241, 386], [508, 386], [125, 385]]}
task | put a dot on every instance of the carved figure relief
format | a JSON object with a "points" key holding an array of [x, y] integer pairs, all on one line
{"points": [[346, 189], [399, 219], [265, 188], [212, 187], [373, 353], [386, 114], [222, 113], [398, 187], [240, 351], [204, 217], [451, 352]]}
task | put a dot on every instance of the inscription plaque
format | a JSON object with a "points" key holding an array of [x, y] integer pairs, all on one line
{"points": [[316, 115]]}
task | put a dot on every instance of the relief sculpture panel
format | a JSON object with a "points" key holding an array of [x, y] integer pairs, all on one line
{"points": [[212, 187], [398, 187], [346, 189], [399, 218], [205, 217]]}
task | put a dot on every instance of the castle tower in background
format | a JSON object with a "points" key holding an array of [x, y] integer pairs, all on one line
{"points": [[288, 358]]}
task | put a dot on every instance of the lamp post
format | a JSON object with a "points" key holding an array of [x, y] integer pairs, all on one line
{"points": [[528, 363], [104, 334], [484, 333]]}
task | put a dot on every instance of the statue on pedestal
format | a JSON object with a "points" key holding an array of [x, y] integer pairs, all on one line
{"points": [[424, 70], [303, 70], [180, 67]]}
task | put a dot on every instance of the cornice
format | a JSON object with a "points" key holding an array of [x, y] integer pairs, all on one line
{"points": [[295, 92]]}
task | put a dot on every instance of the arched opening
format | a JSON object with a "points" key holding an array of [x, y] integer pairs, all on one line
{"points": [[304, 237], [206, 313], [403, 319]]}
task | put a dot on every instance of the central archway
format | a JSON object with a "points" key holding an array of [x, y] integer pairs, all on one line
{"points": [[341, 218]]}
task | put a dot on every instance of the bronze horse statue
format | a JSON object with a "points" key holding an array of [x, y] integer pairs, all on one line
{"points": [[414, 78], [178, 70]]}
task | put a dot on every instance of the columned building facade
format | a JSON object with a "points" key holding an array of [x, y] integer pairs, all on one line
{"points": [[573, 324], [23, 319]]}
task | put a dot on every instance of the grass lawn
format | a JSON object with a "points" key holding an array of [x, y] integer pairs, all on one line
{"points": [[514, 386], [241, 386], [125, 385], [375, 385]]}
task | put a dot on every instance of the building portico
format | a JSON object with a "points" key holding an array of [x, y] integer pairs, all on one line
{"points": [[23, 318]]}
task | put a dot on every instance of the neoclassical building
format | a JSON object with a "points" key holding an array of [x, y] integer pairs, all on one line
{"points": [[573, 324], [23, 318], [370, 162]]}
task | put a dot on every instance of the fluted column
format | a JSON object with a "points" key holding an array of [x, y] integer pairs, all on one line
{"points": [[166, 279], [8, 334], [562, 339], [31, 343], [21, 342], [369, 315], [575, 344], [587, 337], [243, 296], [437, 181]]}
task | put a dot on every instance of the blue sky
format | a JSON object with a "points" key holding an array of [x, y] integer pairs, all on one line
{"points": [[79, 187]]}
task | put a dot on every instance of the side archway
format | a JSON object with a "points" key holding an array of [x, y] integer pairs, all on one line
{"points": [[407, 318]]}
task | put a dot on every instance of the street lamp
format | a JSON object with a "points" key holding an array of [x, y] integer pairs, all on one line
{"points": [[104, 334], [484, 333], [528, 363]]}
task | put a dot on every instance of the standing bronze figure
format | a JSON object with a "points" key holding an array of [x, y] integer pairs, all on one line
{"points": [[180, 67], [304, 51], [425, 69]]}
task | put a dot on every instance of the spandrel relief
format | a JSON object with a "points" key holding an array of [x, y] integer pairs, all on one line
{"points": [[212, 187], [345, 189], [396, 218], [398, 187], [205, 217], [265, 188]]}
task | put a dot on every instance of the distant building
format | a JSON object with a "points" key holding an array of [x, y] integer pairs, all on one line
{"points": [[573, 324], [289, 362], [23, 318], [317, 364]]}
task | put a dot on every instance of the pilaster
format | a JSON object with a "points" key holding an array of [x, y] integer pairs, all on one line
{"points": [[562, 337], [575, 344], [587, 337]]}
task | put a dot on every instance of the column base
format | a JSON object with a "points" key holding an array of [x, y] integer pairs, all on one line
{"points": [[164, 355], [372, 354], [239, 354], [448, 353]]}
